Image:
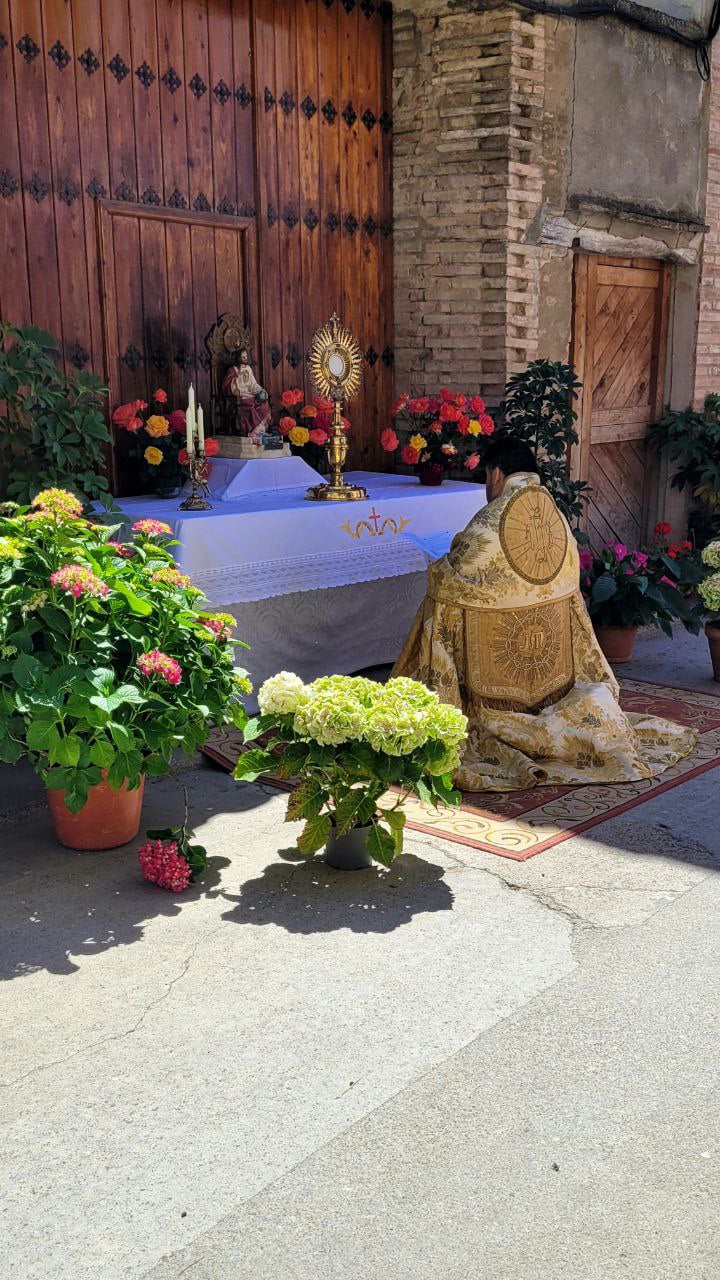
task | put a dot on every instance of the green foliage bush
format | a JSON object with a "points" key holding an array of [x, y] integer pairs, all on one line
{"points": [[52, 427], [538, 407]]}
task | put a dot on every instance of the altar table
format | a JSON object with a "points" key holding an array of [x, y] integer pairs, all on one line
{"points": [[316, 587]]}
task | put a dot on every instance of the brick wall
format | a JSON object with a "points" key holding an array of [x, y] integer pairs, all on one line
{"points": [[468, 113], [707, 358]]}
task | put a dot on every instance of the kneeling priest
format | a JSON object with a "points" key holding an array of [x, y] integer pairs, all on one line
{"points": [[504, 634]]}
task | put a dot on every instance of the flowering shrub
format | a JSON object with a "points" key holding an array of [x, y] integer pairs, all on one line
{"points": [[107, 662], [306, 426], [444, 430], [350, 739], [155, 442], [632, 588], [677, 562]]}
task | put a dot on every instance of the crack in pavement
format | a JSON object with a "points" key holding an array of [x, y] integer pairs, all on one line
{"points": [[119, 1035]]}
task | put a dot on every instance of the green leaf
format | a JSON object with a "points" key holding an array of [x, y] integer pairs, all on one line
{"points": [[252, 764], [604, 588], [314, 834], [10, 750], [42, 735], [67, 750], [121, 736], [26, 671], [102, 753], [252, 730], [349, 808], [140, 607], [381, 845], [395, 819], [306, 801]]}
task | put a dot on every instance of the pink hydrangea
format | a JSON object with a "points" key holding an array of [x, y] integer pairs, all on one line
{"points": [[620, 550], [161, 864], [152, 528], [221, 625], [640, 559], [157, 663], [78, 581], [586, 560], [121, 549]]}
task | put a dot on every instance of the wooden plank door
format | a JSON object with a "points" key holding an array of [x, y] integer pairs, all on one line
{"points": [[620, 316]]}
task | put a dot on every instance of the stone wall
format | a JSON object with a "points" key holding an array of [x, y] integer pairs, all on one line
{"points": [[519, 138], [468, 116], [707, 360]]}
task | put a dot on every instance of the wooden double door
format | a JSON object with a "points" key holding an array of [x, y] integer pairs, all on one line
{"points": [[620, 318]]}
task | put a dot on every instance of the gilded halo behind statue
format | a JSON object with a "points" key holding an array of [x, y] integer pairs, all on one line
{"points": [[240, 417], [335, 364]]}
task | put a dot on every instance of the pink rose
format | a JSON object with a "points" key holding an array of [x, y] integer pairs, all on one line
{"points": [[318, 436], [389, 440], [472, 462]]}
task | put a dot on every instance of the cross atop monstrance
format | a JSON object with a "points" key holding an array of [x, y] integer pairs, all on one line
{"points": [[335, 364]]}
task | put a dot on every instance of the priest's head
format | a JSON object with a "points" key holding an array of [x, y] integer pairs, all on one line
{"points": [[506, 455]]}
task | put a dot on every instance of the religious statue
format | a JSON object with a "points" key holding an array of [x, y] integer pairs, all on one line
{"points": [[252, 413]]}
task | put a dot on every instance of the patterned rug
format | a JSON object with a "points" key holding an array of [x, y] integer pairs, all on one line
{"points": [[519, 824]]}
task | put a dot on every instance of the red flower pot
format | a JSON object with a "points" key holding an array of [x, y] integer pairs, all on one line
{"points": [[617, 643], [430, 473], [108, 818], [712, 631]]}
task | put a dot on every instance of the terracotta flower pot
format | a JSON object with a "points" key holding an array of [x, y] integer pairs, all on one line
{"points": [[712, 631], [430, 473], [108, 819], [617, 643], [349, 852]]}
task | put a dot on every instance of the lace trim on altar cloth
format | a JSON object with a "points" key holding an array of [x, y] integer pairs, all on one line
{"points": [[265, 578]]}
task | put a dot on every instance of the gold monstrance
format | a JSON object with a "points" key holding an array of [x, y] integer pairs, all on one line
{"points": [[335, 362]]}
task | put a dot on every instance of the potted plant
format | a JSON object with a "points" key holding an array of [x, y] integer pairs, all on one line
{"points": [[349, 740], [691, 440], [52, 424], [154, 442], [440, 432], [710, 596], [306, 426], [625, 591], [108, 663], [538, 408]]}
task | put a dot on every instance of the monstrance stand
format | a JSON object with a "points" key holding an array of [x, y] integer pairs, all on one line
{"points": [[335, 363]]}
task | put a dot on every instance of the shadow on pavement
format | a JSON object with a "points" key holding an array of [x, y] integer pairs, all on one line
{"points": [[313, 898]]}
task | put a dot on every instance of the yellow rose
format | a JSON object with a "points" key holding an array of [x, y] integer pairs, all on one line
{"points": [[417, 442], [474, 428], [299, 435], [153, 456], [157, 425]]}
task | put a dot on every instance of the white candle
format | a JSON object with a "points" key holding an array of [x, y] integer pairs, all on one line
{"points": [[200, 430], [190, 423]]}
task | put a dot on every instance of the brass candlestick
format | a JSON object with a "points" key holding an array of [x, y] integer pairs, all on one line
{"points": [[335, 362], [198, 499]]}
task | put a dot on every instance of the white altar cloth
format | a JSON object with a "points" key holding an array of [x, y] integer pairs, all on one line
{"points": [[232, 478], [275, 542]]}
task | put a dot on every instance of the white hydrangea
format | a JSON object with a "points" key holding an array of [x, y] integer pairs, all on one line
{"points": [[281, 695]]}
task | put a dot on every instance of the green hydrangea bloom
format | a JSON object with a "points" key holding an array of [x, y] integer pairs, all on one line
{"points": [[10, 549], [710, 593], [394, 727], [330, 717], [412, 692], [711, 554], [358, 687], [446, 724]]}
